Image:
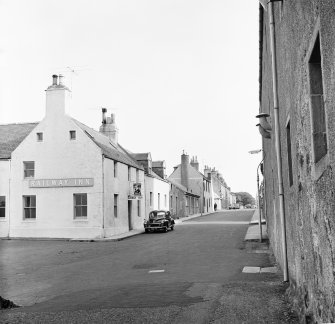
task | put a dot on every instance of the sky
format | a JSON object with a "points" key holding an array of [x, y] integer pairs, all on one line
{"points": [[180, 75]]}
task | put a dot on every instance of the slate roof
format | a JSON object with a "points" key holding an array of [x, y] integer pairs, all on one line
{"points": [[110, 149], [141, 156], [11, 135], [158, 164], [181, 187], [155, 175]]}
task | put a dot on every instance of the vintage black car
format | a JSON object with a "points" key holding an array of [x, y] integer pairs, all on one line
{"points": [[159, 220]]}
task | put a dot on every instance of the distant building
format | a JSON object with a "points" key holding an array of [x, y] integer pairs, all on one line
{"points": [[182, 202], [305, 43], [62, 179], [156, 186], [189, 176], [221, 192]]}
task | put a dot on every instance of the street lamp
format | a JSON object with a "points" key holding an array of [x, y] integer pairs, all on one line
{"points": [[258, 193]]}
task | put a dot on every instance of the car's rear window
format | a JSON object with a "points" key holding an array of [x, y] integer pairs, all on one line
{"points": [[157, 215]]}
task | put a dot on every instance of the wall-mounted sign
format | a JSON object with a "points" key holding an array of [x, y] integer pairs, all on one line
{"points": [[59, 183], [135, 191]]}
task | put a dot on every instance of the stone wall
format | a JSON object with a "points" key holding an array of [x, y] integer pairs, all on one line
{"points": [[310, 199]]}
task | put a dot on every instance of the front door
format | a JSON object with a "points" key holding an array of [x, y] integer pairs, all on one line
{"points": [[129, 214]]}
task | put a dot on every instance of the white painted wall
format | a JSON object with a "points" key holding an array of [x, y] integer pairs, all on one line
{"points": [[156, 186], [4, 191], [57, 157], [121, 186]]}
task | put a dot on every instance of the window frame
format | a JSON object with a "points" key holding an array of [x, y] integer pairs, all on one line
{"points": [[71, 133], [81, 206], [129, 173], [138, 207], [289, 152], [3, 207], [115, 169], [116, 202], [319, 165], [29, 208], [39, 136], [26, 169]]}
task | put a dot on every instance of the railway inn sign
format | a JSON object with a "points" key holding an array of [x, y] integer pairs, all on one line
{"points": [[60, 183]]}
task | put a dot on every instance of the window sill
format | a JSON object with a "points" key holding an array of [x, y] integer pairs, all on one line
{"points": [[81, 219], [3, 219], [29, 220], [320, 167]]}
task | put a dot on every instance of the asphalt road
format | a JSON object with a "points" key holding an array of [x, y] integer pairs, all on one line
{"points": [[190, 275]]}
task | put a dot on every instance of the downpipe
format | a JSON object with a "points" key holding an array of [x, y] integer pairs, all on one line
{"points": [[277, 136]]}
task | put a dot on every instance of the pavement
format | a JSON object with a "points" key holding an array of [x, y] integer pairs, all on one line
{"points": [[194, 274], [253, 232]]}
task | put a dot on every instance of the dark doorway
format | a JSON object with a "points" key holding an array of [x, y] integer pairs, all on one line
{"points": [[129, 215]]}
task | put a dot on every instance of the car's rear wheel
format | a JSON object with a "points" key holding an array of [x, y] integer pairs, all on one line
{"points": [[172, 227]]}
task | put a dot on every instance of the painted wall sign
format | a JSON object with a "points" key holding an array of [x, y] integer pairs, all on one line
{"points": [[59, 183]]}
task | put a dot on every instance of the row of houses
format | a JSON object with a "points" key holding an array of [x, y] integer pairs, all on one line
{"points": [[62, 179]]}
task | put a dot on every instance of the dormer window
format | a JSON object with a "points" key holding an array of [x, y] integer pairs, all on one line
{"points": [[39, 137], [72, 135]]}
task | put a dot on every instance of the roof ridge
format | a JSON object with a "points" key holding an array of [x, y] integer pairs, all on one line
{"points": [[27, 123], [111, 150]]}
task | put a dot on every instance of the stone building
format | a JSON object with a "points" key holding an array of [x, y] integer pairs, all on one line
{"points": [[305, 52], [188, 175], [61, 179], [183, 203]]}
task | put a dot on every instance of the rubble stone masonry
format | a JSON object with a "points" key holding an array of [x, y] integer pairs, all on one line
{"points": [[310, 195]]}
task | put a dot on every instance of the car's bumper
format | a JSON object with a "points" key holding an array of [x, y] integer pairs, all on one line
{"points": [[154, 227]]}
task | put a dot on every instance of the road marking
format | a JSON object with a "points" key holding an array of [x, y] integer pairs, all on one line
{"points": [[155, 271]]}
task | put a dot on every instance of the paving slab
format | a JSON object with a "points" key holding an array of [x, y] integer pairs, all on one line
{"points": [[251, 270], [269, 270]]}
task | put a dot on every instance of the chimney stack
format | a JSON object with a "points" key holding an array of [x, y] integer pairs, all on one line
{"points": [[195, 163], [57, 98], [108, 126], [185, 161]]}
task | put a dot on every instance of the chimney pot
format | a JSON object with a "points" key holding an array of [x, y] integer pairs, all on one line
{"points": [[54, 79], [61, 79], [104, 110]]}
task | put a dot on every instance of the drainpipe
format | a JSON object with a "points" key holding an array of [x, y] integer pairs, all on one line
{"points": [[9, 197], [277, 135], [103, 195]]}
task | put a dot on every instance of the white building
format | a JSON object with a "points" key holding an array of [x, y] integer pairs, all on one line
{"points": [[156, 186], [62, 179]]}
